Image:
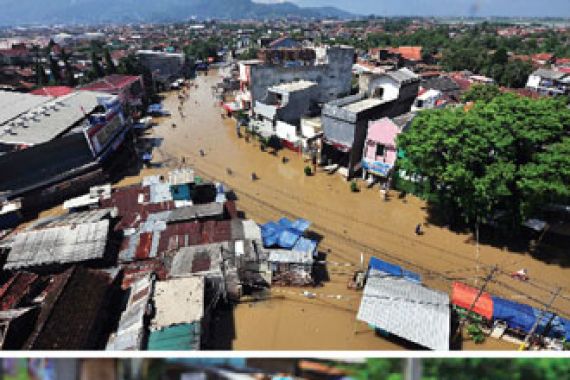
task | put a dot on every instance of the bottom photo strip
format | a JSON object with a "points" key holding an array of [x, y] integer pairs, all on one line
{"points": [[284, 369]]}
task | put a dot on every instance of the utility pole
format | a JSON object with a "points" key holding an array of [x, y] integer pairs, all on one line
{"points": [[479, 294], [524, 345], [413, 369]]}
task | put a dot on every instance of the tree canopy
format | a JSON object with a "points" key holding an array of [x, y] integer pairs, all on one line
{"points": [[467, 369], [481, 92], [506, 156]]}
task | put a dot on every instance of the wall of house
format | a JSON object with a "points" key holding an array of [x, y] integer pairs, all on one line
{"points": [[533, 81], [333, 78], [39, 163], [166, 67], [286, 131], [298, 103]]}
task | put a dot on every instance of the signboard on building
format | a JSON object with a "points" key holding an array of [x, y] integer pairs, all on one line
{"points": [[105, 127], [376, 167]]}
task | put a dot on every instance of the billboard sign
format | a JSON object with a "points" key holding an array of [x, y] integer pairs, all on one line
{"points": [[105, 127]]}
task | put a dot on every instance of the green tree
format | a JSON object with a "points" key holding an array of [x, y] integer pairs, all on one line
{"points": [[97, 70], [496, 369], [500, 57], [110, 67], [69, 73], [54, 69], [481, 92], [491, 158]]}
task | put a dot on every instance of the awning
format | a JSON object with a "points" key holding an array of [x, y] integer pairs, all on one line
{"points": [[384, 267], [463, 296]]}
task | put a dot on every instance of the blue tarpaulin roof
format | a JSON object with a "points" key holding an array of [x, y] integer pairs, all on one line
{"points": [[288, 238], [392, 269], [305, 245], [284, 233], [155, 107], [301, 225], [270, 233], [550, 324], [516, 315], [566, 324]]}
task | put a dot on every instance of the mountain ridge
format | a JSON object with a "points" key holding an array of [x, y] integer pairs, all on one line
{"points": [[25, 12]]}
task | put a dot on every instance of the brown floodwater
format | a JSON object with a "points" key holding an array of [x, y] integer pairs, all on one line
{"points": [[351, 224]]}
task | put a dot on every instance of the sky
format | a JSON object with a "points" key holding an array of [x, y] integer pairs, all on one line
{"points": [[513, 8]]}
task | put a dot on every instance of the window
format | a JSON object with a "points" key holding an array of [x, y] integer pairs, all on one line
{"points": [[378, 92], [380, 150]]}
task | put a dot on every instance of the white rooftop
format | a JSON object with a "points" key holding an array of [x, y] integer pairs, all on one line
{"points": [[160, 53], [363, 104], [47, 119], [179, 300], [13, 104], [406, 309], [61, 244], [293, 86]]}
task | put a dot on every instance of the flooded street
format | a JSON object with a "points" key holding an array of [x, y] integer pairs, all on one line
{"points": [[349, 223]]}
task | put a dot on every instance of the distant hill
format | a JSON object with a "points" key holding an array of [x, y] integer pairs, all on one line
{"points": [[18, 12]]}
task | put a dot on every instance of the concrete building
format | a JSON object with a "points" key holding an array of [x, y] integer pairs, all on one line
{"points": [[380, 147], [129, 88], [281, 112], [165, 67], [333, 74], [56, 149], [549, 82], [345, 121]]}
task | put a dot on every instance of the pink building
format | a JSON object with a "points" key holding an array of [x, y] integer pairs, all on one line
{"points": [[380, 151]]}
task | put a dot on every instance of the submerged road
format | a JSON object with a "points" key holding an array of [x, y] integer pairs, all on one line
{"points": [[351, 224]]}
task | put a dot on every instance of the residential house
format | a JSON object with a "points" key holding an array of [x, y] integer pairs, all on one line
{"points": [[549, 82], [345, 120], [281, 112], [428, 99], [380, 150], [128, 88], [165, 67], [330, 68], [57, 148]]}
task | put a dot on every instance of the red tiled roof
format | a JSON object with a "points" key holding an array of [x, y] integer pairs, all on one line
{"points": [[53, 91], [542, 56], [411, 53], [562, 61], [464, 84], [111, 83]]}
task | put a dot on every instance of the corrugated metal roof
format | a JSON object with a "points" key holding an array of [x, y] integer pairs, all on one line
{"points": [[13, 104], [181, 176], [286, 256], [179, 300], [160, 192], [50, 119], [62, 244], [16, 289], [182, 337], [196, 259], [74, 218], [406, 309], [251, 230], [130, 332], [195, 212]]}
